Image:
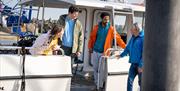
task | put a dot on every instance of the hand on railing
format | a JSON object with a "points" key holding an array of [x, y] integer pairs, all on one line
{"points": [[58, 51], [112, 52], [114, 56], [118, 56]]}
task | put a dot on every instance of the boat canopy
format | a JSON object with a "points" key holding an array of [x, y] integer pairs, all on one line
{"points": [[48, 3], [82, 3]]}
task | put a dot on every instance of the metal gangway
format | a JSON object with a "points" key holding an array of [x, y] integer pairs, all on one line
{"points": [[113, 73]]}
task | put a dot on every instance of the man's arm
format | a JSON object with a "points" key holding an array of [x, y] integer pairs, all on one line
{"points": [[124, 53], [140, 65], [141, 48], [126, 50], [120, 42], [81, 41], [92, 37]]}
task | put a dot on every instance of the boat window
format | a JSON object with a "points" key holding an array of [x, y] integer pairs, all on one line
{"points": [[120, 21], [82, 18], [97, 18], [139, 17]]}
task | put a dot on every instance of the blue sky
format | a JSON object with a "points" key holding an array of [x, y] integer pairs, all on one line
{"points": [[50, 13]]}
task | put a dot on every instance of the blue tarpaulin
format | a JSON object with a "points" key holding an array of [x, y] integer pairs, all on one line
{"points": [[13, 20]]}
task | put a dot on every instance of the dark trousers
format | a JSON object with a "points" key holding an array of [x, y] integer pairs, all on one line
{"points": [[68, 52], [133, 71]]}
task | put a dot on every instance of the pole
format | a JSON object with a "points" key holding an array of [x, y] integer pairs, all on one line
{"points": [[37, 22], [23, 76], [30, 13], [161, 70], [20, 14], [1, 12], [42, 25], [115, 41]]}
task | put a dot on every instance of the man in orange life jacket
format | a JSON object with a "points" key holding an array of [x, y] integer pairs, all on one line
{"points": [[101, 38]]}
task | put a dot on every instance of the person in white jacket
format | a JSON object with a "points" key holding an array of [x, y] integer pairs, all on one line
{"points": [[45, 44]]}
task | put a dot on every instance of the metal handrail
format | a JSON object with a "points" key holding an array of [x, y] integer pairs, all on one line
{"points": [[60, 49], [101, 61], [16, 35], [99, 68]]}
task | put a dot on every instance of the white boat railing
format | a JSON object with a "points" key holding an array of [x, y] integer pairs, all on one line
{"points": [[42, 73], [119, 1], [20, 48]]}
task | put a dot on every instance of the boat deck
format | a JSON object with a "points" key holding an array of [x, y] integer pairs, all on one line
{"points": [[80, 83]]}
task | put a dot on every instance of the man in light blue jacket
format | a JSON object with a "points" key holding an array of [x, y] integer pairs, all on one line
{"points": [[72, 39], [135, 51]]}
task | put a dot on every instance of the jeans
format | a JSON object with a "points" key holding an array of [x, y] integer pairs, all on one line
{"points": [[95, 61], [133, 71]]}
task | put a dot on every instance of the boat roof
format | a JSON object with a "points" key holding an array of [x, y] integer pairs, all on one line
{"points": [[83, 3]]}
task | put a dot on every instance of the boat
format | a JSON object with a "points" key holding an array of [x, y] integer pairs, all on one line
{"points": [[123, 15]]}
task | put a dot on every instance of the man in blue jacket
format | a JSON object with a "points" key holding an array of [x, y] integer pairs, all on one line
{"points": [[135, 51]]}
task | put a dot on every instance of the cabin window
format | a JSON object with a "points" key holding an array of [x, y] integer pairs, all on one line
{"points": [[120, 21], [140, 18], [97, 17]]}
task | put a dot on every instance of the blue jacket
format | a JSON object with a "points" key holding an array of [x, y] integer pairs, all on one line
{"points": [[135, 49]]}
